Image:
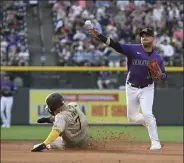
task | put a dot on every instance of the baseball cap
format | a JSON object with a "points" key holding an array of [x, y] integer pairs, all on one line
{"points": [[148, 31], [54, 101]]}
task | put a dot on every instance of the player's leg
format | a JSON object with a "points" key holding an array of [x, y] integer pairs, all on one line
{"points": [[100, 84], [57, 144], [133, 105], [146, 102], [84, 143], [3, 117], [9, 103]]}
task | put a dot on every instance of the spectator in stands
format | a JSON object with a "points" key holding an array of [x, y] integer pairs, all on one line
{"points": [[114, 59], [164, 37], [123, 25], [10, 19], [23, 54], [93, 56], [43, 60], [4, 45], [19, 3], [13, 38], [158, 12], [34, 4], [79, 56], [79, 35], [19, 15], [168, 52]]}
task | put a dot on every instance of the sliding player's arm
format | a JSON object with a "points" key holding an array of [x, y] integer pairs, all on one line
{"points": [[46, 120], [57, 129]]}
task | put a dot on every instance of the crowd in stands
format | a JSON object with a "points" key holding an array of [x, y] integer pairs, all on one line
{"points": [[13, 29], [122, 21]]}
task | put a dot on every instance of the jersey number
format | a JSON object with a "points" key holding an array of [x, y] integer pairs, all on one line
{"points": [[77, 120], [75, 116]]}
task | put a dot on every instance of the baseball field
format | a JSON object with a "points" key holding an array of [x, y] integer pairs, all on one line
{"points": [[108, 144]]}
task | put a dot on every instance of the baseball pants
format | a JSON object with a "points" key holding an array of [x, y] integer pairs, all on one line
{"points": [[143, 98], [6, 107]]}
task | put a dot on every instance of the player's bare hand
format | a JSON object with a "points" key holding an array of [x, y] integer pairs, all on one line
{"points": [[94, 32]]}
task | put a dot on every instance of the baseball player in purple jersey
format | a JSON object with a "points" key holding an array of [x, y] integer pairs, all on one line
{"points": [[7, 90], [139, 83]]}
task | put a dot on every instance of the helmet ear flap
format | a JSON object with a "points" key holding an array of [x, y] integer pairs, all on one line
{"points": [[51, 112]]}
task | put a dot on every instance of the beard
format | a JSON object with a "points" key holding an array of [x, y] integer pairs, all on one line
{"points": [[147, 44]]}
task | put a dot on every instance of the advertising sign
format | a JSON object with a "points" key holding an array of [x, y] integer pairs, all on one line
{"points": [[100, 106]]}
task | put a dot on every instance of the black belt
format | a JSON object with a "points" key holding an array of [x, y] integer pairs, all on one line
{"points": [[137, 86], [3, 95]]}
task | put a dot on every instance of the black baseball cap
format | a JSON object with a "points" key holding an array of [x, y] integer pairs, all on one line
{"points": [[54, 101], [148, 31]]}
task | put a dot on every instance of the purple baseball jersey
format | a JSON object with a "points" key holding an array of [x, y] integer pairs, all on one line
{"points": [[137, 63], [7, 88]]}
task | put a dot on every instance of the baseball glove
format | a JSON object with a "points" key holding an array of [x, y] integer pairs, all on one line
{"points": [[44, 120], [155, 70]]}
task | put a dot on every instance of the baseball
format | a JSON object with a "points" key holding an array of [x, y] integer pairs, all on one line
{"points": [[88, 22]]}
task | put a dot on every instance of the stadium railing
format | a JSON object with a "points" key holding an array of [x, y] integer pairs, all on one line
{"points": [[76, 68], [82, 77]]}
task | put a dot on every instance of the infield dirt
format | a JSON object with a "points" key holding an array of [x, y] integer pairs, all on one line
{"points": [[98, 152]]}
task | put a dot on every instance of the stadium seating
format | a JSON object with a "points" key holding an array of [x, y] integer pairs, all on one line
{"points": [[14, 43], [119, 20]]}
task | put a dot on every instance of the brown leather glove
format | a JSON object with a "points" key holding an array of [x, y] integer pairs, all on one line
{"points": [[155, 70]]}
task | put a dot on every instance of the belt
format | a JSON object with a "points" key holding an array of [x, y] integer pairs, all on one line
{"points": [[137, 86]]}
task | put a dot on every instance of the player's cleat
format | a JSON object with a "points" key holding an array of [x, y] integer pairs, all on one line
{"points": [[3, 126], [156, 146]]}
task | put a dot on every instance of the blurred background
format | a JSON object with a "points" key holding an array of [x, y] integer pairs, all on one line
{"points": [[51, 33]]}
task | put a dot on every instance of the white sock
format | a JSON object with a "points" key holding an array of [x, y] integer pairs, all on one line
{"points": [[152, 130]]}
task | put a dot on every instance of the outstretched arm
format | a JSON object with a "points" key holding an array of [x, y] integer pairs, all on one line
{"points": [[54, 134], [107, 40], [57, 129], [46, 120], [120, 48]]}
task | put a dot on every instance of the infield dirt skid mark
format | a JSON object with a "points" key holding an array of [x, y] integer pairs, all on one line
{"points": [[113, 152]]}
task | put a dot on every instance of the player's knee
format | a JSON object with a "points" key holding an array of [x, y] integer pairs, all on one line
{"points": [[149, 117]]}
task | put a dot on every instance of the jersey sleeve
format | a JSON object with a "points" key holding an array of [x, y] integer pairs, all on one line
{"points": [[126, 49], [59, 123], [162, 67], [13, 87]]}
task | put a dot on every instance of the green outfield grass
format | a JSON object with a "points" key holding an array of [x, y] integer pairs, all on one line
{"points": [[137, 133]]}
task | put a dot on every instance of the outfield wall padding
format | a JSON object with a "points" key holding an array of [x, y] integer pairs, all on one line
{"points": [[168, 107]]}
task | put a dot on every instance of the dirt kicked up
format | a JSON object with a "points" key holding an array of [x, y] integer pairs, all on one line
{"points": [[103, 152]]}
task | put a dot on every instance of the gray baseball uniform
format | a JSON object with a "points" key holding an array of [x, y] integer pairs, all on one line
{"points": [[73, 125]]}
